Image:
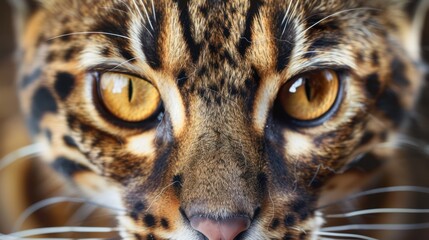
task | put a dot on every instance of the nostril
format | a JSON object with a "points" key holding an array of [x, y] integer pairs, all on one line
{"points": [[226, 229]]}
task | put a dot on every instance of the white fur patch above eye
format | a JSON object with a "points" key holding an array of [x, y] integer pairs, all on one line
{"points": [[142, 144], [297, 144]]}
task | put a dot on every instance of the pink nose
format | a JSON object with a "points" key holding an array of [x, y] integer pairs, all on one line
{"points": [[226, 229]]}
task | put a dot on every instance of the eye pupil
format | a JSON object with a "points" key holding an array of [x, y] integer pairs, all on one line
{"points": [[130, 90], [308, 90]]}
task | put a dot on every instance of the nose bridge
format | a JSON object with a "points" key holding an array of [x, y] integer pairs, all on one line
{"points": [[220, 174]]}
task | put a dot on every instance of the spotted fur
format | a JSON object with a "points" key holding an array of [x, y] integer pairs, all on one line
{"points": [[220, 148]]}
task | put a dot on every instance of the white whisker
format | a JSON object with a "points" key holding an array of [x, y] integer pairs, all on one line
{"points": [[24, 152], [124, 62], [347, 235], [386, 227], [147, 14], [66, 229], [377, 211], [85, 33], [50, 201], [153, 10], [415, 189], [332, 15], [160, 194]]}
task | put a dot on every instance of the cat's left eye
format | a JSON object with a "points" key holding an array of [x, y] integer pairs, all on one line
{"points": [[128, 98]]}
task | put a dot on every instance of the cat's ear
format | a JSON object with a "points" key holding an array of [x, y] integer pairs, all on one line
{"points": [[416, 11]]}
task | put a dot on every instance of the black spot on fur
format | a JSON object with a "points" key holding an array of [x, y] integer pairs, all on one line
{"points": [[149, 220], [177, 181], [375, 59], [70, 53], [202, 71], [389, 104], [204, 11], [262, 182], [70, 142], [42, 103], [64, 84], [246, 37], [373, 85], [290, 220], [68, 167], [229, 58], [186, 23], [321, 43], [366, 138], [137, 208], [29, 79], [288, 236], [275, 223], [285, 36], [164, 223], [182, 78], [226, 32], [106, 52], [360, 57], [150, 236], [52, 56], [398, 73]]}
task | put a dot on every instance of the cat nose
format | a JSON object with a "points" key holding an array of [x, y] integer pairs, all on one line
{"points": [[226, 229]]}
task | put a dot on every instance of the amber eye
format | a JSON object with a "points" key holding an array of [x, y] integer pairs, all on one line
{"points": [[310, 96], [128, 98]]}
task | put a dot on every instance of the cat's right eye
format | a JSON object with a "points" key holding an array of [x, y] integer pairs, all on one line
{"points": [[309, 97], [128, 98]]}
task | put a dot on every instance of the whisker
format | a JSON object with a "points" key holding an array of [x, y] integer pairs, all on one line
{"points": [[415, 189], [386, 227], [66, 229], [347, 235], [153, 10], [160, 194], [24, 152], [50, 201], [377, 211], [83, 33], [332, 15], [84, 212]]}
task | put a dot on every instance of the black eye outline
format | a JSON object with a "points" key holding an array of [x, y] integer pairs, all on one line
{"points": [[147, 124], [289, 121]]}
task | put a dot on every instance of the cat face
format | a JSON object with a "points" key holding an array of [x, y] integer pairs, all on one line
{"points": [[229, 120]]}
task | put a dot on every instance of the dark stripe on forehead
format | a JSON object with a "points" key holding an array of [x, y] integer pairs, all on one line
{"points": [[187, 25], [150, 41], [285, 35], [116, 22], [246, 37], [320, 44]]}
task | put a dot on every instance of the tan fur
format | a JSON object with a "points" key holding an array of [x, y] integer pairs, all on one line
{"points": [[219, 148]]}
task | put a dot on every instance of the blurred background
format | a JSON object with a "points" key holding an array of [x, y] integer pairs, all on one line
{"points": [[14, 135]]}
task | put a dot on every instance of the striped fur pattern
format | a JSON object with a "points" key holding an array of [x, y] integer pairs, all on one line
{"points": [[219, 147]]}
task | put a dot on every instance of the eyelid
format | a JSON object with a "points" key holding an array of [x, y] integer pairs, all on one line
{"points": [[114, 68]]}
